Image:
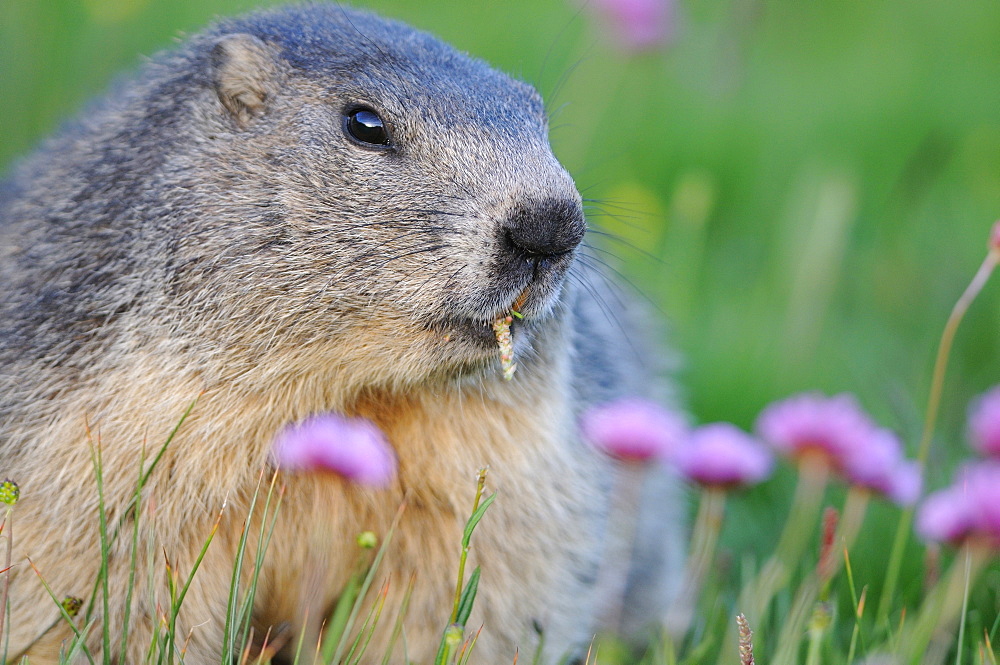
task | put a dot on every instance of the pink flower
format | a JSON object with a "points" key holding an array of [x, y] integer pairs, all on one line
{"points": [[878, 465], [637, 25], [945, 516], [350, 447], [633, 429], [984, 423], [969, 508], [722, 455], [813, 423]]}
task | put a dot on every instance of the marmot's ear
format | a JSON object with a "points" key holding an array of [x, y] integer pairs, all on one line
{"points": [[244, 72]]}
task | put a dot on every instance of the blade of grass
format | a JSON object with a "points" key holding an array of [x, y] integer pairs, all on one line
{"points": [[172, 593], [337, 623], [368, 627], [989, 647], [477, 515], [536, 659], [133, 559], [62, 610], [170, 437], [466, 653], [264, 648], [859, 605], [229, 630], [263, 540], [398, 627], [102, 514], [131, 510], [342, 643], [965, 609], [7, 527], [176, 603], [856, 634], [302, 638], [468, 597]]}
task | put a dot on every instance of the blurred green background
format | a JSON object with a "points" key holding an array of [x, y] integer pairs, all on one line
{"points": [[804, 188]]}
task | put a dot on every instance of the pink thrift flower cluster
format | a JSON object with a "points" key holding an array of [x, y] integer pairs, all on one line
{"points": [[839, 431], [634, 430], [637, 25], [994, 244], [354, 448], [723, 455], [968, 509], [717, 455], [984, 423], [815, 424], [880, 467]]}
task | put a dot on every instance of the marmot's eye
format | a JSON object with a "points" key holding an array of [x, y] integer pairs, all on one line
{"points": [[365, 126]]}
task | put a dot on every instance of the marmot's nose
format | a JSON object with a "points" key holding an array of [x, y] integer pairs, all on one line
{"points": [[544, 228]]}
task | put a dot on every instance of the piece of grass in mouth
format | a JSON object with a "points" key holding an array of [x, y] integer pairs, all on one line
{"points": [[501, 328]]}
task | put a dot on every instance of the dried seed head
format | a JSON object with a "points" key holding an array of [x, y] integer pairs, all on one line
{"points": [[746, 643], [501, 328]]}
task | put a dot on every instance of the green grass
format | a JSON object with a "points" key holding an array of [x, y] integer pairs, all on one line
{"points": [[341, 642]]}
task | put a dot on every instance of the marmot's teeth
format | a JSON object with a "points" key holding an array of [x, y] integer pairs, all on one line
{"points": [[521, 298]]}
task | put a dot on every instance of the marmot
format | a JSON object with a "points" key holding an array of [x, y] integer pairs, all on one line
{"points": [[309, 210]]}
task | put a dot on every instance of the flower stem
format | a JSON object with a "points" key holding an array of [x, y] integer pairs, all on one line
{"points": [[805, 610], [704, 538], [756, 595], [965, 608], [855, 507], [930, 421], [7, 526], [944, 349], [622, 515]]}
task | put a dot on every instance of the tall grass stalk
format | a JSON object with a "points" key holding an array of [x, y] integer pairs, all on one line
{"points": [[858, 603], [466, 536], [98, 462], [704, 539], [368, 627], [178, 600], [965, 608], [397, 629], [6, 529], [465, 595], [269, 518], [229, 639], [942, 604]]}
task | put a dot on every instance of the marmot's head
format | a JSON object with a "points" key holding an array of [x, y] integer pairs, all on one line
{"points": [[374, 198]]}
